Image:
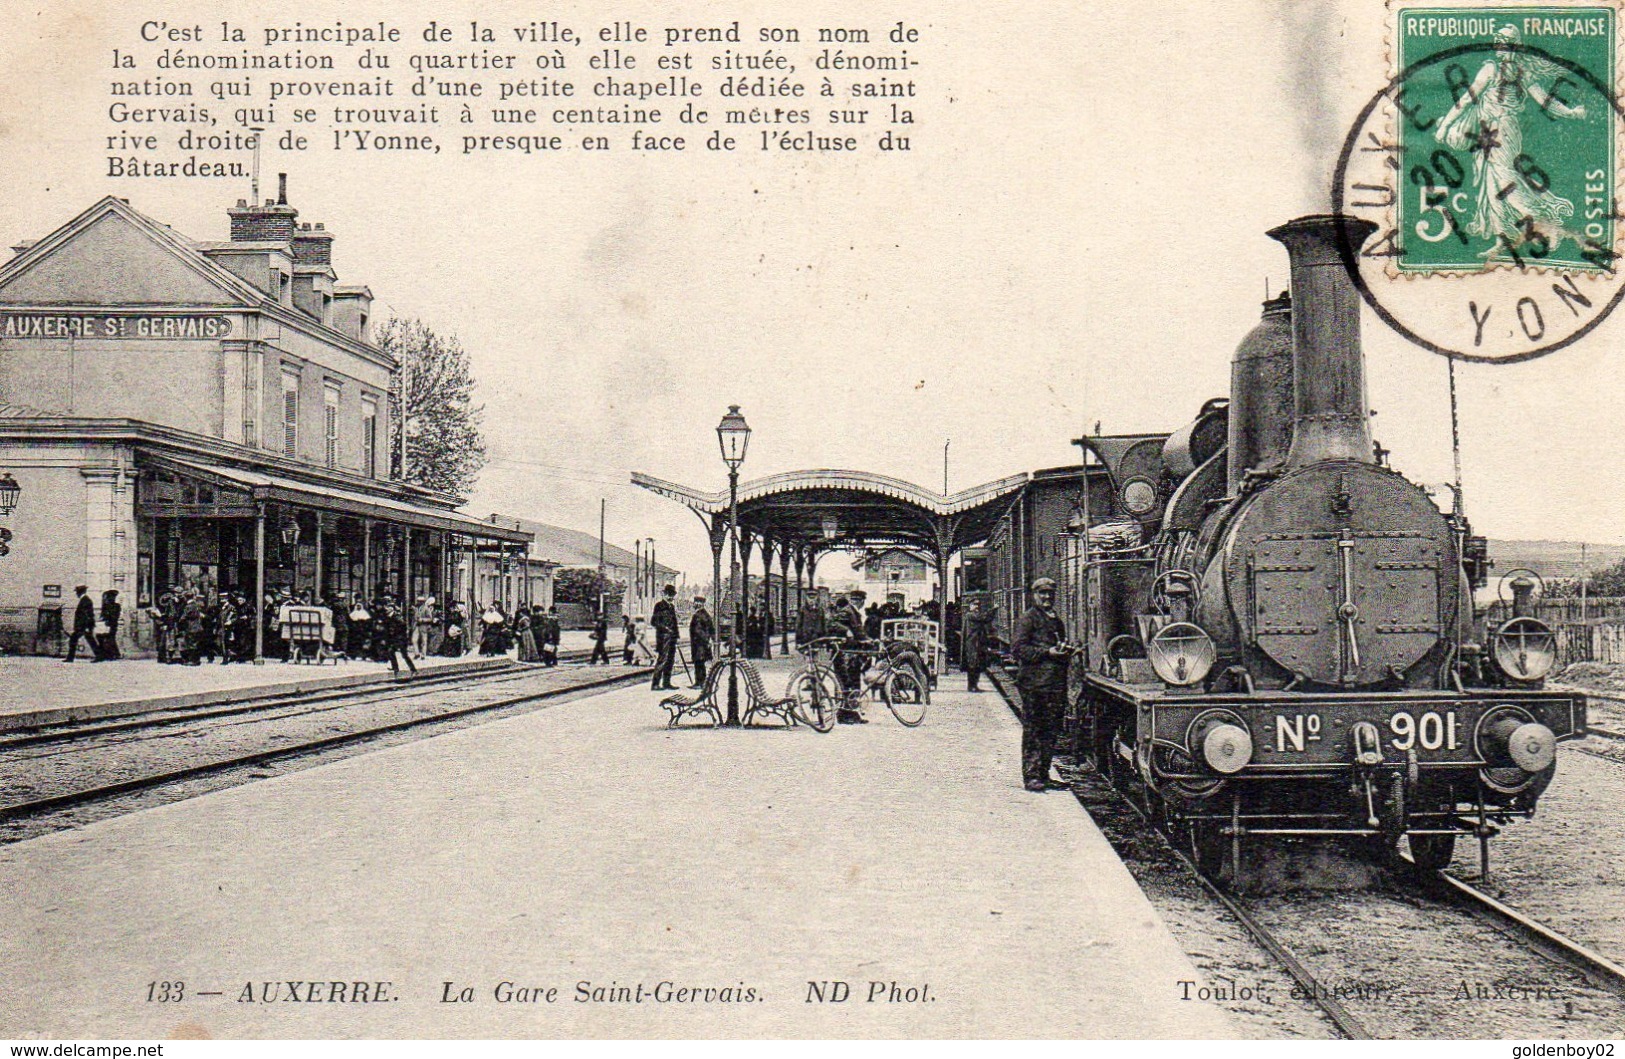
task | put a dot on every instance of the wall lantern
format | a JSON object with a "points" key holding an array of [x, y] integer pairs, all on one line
{"points": [[9, 492]]}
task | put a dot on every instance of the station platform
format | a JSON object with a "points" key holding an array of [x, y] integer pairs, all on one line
{"points": [[875, 882]]}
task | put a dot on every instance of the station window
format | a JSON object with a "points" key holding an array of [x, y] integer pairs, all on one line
{"points": [[369, 436], [330, 407], [290, 412]]}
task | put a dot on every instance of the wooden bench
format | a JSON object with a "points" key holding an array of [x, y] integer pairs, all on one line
{"points": [[761, 703], [705, 702]]}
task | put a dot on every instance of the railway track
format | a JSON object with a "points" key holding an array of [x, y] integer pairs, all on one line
{"points": [[425, 682], [1537, 937], [1443, 890], [32, 810]]}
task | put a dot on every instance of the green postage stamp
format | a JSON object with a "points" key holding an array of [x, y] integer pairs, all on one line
{"points": [[1518, 159], [1489, 165]]}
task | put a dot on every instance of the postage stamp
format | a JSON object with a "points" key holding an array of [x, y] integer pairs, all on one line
{"points": [[1489, 163], [1519, 163]]}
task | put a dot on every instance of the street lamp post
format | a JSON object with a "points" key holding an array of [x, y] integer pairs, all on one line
{"points": [[733, 437]]}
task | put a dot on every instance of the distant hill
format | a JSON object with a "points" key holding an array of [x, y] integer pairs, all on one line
{"points": [[1553, 559]]}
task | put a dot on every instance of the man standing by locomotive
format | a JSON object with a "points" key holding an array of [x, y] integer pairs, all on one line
{"points": [[665, 623], [1041, 649]]}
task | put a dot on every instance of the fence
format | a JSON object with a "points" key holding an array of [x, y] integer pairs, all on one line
{"points": [[1592, 642], [1599, 637], [1567, 611]]}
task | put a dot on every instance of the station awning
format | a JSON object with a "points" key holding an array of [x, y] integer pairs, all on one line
{"points": [[278, 489], [830, 509]]}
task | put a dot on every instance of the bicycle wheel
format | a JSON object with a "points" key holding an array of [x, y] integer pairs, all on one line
{"points": [[907, 697], [816, 695]]}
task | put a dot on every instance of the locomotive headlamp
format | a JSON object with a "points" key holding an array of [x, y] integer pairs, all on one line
{"points": [[1182, 654], [1139, 497], [1525, 649]]}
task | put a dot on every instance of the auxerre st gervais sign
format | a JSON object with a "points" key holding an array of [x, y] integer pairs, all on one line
{"points": [[115, 325]]}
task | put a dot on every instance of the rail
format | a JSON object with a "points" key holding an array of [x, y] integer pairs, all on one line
{"points": [[87, 795]]}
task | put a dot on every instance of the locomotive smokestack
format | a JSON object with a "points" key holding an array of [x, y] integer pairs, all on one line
{"points": [[1329, 419]]}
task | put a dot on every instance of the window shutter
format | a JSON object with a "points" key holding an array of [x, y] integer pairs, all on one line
{"points": [[290, 422]]}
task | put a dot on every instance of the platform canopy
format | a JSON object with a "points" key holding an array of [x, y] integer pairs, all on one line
{"points": [[820, 511]]}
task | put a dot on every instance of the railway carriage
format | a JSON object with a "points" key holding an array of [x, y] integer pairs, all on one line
{"points": [[1278, 628]]}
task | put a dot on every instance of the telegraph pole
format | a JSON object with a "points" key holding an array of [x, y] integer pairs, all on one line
{"points": [[1585, 576], [602, 501], [405, 379]]}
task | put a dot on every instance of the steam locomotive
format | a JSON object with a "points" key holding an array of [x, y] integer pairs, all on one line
{"points": [[1279, 630]]}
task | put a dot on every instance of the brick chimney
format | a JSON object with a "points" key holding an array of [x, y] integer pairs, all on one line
{"points": [[312, 246], [273, 222]]}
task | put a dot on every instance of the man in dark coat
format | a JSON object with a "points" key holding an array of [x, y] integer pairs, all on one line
{"points": [[84, 623], [665, 625], [701, 630], [847, 621], [976, 643], [600, 640], [809, 622], [191, 626], [107, 643], [395, 630], [1042, 651], [554, 635]]}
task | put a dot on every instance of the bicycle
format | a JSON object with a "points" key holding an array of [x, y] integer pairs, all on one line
{"points": [[815, 687], [895, 674], [901, 679]]}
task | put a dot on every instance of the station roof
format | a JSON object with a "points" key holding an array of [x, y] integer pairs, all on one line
{"points": [[829, 509]]}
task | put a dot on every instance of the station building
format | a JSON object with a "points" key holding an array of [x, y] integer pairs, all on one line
{"points": [[207, 414]]}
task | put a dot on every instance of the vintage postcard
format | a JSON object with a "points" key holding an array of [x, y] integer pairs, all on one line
{"points": [[639, 519]]}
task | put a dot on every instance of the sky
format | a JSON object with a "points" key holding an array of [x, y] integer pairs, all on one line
{"points": [[1076, 237]]}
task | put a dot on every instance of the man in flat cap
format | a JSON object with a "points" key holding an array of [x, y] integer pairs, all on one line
{"points": [[847, 623], [1043, 653], [701, 631]]}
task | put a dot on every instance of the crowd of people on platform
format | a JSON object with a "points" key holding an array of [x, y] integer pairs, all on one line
{"points": [[193, 624], [813, 620]]}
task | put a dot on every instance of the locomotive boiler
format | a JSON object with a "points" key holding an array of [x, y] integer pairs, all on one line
{"points": [[1280, 628]]}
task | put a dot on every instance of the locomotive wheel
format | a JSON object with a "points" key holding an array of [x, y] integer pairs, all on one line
{"points": [[1432, 852]]}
